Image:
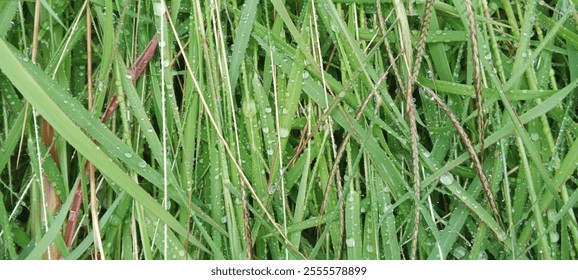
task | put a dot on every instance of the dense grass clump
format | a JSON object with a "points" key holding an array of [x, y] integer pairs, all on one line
{"points": [[288, 129]]}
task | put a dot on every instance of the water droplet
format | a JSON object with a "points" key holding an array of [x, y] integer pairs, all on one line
{"points": [[142, 164], [268, 110], [114, 220], [128, 154], [351, 196], [370, 248], [350, 242], [447, 179], [552, 215], [181, 253], [272, 189], [283, 132], [554, 237], [305, 75], [459, 252]]}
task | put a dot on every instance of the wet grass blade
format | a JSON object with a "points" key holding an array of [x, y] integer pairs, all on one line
{"points": [[42, 92]]}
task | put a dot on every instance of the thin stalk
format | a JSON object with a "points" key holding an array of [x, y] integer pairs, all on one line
{"points": [[92, 179]]}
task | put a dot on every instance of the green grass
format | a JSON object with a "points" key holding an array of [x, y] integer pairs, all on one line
{"points": [[282, 130]]}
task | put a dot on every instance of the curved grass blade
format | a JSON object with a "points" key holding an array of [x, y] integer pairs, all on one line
{"points": [[46, 96]]}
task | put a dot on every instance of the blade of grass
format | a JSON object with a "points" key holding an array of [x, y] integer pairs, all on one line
{"points": [[42, 92]]}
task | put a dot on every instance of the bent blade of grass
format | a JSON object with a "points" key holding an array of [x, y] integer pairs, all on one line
{"points": [[42, 93]]}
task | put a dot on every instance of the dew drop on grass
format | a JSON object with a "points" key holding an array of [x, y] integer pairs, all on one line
{"points": [[554, 237], [142, 164], [351, 196], [305, 75], [535, 137], [369, 248], [350, 242], [551, 215], [283, 132], [386, 208], [447, 179], [128, 154], [268, 110], [181, 253], [272, 189], [114, 220], [459, 252]]}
